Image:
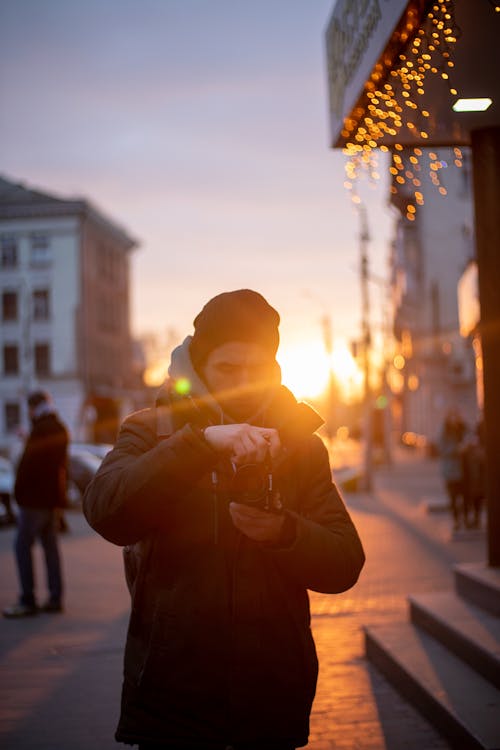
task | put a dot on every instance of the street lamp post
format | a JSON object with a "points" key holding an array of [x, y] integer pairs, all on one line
{"points": [[364, 238]]}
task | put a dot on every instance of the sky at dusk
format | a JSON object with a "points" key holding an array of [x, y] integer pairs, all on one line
{"points": [[201, 126]]}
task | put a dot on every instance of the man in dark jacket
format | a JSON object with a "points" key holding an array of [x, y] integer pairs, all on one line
{"points": [[223, 497], [40, 492]]}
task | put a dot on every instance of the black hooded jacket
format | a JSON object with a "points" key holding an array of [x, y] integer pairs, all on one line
{"points": [[219, 649]]}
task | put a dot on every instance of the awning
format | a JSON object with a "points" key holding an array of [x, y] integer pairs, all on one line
{"points": [[403, 66]]}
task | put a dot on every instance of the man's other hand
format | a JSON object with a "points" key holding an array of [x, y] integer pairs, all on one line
{"points": [[244, 443], [257, 524]]}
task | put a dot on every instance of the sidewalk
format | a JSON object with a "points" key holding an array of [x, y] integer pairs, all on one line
{"points": [[60, 674]]}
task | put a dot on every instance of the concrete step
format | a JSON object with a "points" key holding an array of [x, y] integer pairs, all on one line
{"points": [[459, 702], [479, 584], [470, 632]]}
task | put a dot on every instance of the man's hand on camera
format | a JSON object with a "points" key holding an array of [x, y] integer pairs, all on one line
{"points": [[244, 443], [257, 524]]}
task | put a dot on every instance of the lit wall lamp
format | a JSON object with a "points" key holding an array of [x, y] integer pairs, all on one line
{"points": [[472, 105]]}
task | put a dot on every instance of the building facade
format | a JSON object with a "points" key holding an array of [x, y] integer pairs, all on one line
{"points": [[64, 317], [434, 368]]}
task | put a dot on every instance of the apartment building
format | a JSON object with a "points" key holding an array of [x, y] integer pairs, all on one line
{"points": [[432, 246], [64, 315]]}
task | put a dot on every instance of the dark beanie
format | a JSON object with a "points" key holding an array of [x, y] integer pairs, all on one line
{"points": [[242, 315]]}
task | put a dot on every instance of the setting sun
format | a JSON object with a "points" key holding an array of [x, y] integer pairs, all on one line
{"points": [[306, 370], [347, 372]]}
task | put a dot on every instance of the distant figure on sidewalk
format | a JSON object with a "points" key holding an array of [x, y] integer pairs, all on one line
{"points": [[40, 492], [450, 452], [224, 495], [474, 473]]}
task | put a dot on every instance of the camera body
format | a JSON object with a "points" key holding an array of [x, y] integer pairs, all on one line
{"points": [[253, 485]]}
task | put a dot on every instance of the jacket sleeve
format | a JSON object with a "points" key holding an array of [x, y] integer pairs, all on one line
{"points": [[129, 495], [327, 554]]}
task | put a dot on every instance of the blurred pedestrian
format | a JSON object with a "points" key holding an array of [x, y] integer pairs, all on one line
{"points": [[473, 462], [40, 491], [224, 495], [450, 451]]}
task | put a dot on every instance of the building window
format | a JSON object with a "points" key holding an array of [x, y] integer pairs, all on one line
{"points": [[42, 360], [8, 251], [11, 359], [41, 255], [41, 304], [9, 306], [12, 416]]}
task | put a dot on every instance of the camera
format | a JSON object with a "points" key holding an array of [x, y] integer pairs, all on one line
{"points": [[253, 485]]}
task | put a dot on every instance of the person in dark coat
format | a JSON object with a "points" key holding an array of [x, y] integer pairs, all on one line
{"points": [[222, 496], [450, 452], [474, 473], [40, 492]]}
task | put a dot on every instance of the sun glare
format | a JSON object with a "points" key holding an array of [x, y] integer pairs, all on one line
{"points": [[306, 370], [347, 373], [155, 374]]}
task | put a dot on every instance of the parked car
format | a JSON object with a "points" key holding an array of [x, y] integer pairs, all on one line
{"points": [[83, 461], [7, 477], [82, 465], [98, 449]]}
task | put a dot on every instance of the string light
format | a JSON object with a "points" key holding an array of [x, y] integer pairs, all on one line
{"points": [[393, 105]]}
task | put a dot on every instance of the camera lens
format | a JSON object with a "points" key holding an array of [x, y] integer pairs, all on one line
{"points": [[249, 484]]}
